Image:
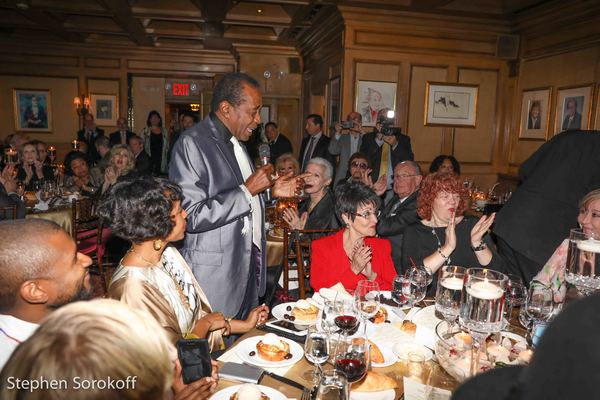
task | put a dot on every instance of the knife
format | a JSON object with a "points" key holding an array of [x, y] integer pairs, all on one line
{"points": [[283, 379]]}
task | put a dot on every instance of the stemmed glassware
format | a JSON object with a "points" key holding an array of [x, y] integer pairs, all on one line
{"points": [[481, 310], [366, 299], [449, 290], [333, 386], [583, 261], [515, 294], [419, 279], [352, 358], [539, 305], [400, 281], [331, 309], [347, 319], [316, 350]]}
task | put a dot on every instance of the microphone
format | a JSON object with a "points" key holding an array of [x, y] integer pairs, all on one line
{"points": [[264, 152]]}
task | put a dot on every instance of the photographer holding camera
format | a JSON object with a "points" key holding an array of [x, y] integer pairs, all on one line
{"points": [[386, 147], [346, 141]]}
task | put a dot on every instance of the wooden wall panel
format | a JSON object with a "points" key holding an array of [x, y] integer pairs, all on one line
{"points": [[475, 145], [148, 95], [427, 141]]}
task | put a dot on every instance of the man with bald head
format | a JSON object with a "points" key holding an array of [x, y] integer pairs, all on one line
{"points": [[40, 270], [346, 142], [401, 210]]}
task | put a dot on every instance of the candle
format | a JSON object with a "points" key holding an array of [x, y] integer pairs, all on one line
{"points": [[75, 144], [589, 245], [463, 340], [452, 283], [485, 290]]}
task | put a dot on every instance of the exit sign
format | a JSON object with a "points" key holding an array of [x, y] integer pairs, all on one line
{"points": [[181, 89]]}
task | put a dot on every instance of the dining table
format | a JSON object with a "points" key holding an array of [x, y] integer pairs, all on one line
{"points": [[60, 213]]}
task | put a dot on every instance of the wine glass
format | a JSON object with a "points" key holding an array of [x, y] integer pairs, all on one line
{"points": [[449, 290], [331, 309], [316, 350], [366, 299], [481, 309], [333, 385], [347, 319], [514, 295], [398, 289], [539, 304], [352, 358], [419, 280]]}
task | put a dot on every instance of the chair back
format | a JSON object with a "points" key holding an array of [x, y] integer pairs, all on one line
{"points": [[296, 255], [84, 218], [8, 212]]}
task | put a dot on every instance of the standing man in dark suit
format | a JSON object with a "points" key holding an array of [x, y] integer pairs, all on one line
{"points": [[122, 134], [401, 210], [385, 151], [89, 134], [316, 144], [278, 143], [142, 159], [542, 210], [345, 144], [225, 242]]}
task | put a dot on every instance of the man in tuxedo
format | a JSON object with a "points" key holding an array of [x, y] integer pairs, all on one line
{"points": [[278, 143], [572, 120], [225, 244], [401, 210], [142, 160], [316, 144], [89, 134], [122, 134], [345, 143], [385, 151]]}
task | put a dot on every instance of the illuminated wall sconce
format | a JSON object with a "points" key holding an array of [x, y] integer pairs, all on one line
{"points": [[195, 107]]}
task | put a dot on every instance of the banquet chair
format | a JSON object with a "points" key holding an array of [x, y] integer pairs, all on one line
{"points": [[90, 235], [8, 212], [296, 255]]}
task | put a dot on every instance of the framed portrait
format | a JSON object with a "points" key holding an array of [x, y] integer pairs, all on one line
{"points": [[373, 96], [105, 109], [333, 101], [535, 114], [451, 104], [32, 110], [573, 108]]}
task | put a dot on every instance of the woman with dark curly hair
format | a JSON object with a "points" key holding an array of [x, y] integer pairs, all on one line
{"points": [[353, 254], [79, 176], [153, 276], [444, 163], [444, 236]]}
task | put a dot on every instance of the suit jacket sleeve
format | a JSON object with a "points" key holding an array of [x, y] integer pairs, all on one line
{"points": [[403, 150], [189, 168], [397, 224]]}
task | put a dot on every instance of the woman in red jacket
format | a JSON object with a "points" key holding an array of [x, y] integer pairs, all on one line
{"points": [[353, 254]]}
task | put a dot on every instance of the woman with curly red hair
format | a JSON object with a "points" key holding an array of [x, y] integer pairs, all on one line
{"points": [[444, 236]]}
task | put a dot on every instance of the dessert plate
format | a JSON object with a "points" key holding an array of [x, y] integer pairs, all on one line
{"points": [[246, 346], [389, 394], [226, 393], [281, 309]]}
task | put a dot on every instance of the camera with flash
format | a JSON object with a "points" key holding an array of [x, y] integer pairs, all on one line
{"points": [[386, 124]]}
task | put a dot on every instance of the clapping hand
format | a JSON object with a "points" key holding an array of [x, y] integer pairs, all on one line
{"points": [[481, 228], [450, 243], [290, 215], [361, 257]]}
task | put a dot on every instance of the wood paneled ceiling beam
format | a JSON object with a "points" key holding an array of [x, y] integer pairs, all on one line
{"points": [[214, 13], [121, 12]]}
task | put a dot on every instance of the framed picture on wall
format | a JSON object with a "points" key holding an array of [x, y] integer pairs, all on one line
{"points": [[451, 104], [535, 114], [333, 101], [373, 96], [105, 108], [573, 108], [32, 110]]}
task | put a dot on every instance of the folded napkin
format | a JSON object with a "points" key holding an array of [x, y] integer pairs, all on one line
{"points": [[230, 356], [41, 206]]}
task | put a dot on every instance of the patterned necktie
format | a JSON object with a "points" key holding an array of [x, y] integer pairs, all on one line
{"points": [[309, 150], [385, 160]]}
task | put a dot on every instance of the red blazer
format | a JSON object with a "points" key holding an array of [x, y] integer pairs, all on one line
{"points": [[330, 264]]}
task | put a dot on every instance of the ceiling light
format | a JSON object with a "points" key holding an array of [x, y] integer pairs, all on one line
{"points": [[260, 10], [21, 5]]}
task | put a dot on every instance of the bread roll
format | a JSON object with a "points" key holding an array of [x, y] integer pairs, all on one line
{"points": [[374, 382]]}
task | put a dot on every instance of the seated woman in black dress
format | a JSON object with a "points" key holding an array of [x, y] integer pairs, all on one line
{"points": [[444, 236], [79, 176], [318, 211], [32, 170]]}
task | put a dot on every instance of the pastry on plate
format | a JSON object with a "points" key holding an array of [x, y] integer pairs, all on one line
{"points": [[249, 391], [374, 382], [272, 348], [407, 327], [376, 354], [380, 317], [305, 311]]}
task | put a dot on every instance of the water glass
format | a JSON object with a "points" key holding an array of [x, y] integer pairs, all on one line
{"points": [[416, 368], [316, 350], [331, 309], [540, 302], [449, 291], [333, 385], [419, 280], [400, 281], [366, 299], [514, 295]]}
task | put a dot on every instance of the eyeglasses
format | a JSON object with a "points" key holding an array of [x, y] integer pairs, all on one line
{"points": [[404, 176], [368, 214], [359, 165]]}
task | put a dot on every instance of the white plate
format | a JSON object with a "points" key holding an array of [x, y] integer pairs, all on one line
{"points": [[389, 394], [392, 316], [388, 355], [226, 393], [402, 350], [280, 310], [244, 348], [331, 294], [426, 317]]}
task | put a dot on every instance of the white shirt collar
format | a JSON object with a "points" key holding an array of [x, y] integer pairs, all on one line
{"points": [[15, 328]]}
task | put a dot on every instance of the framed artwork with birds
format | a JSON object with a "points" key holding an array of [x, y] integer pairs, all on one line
{"points": [[451, 104]]}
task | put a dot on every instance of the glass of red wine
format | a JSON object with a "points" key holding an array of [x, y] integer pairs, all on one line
{"points": [[353, 358], [347, 319]]}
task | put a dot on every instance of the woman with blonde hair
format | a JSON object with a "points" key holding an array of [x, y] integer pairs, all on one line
{"points": [[286, 163], [121, 164], [99, 349]]}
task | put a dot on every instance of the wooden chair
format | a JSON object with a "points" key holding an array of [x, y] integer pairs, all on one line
{"points": [[296, 254], [8, 212], [88, 232]]}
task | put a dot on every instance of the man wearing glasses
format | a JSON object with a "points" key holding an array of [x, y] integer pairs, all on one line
{"points": [[401, 210], [346, 142]]}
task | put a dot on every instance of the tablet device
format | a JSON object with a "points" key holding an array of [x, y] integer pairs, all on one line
{"points": [[289, 327]]}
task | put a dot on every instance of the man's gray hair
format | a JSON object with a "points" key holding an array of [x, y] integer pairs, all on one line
{"points": [[415, 166], [324, 163]]}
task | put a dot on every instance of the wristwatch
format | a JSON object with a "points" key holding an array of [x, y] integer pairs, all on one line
{"points": [[481, 246]]}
